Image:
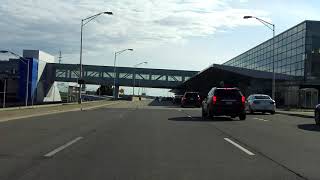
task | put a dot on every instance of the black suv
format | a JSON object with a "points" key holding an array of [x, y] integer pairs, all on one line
{"points": [[317, 114], [224, 101]]}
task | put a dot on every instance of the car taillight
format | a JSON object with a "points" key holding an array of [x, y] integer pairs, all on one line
{"points": [[243, 99], [214, 99]]}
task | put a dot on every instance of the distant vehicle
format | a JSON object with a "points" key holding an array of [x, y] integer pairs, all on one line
{"points": [[191, 99], [224, 102], [260, 103], [317, 114], [177, 99]]}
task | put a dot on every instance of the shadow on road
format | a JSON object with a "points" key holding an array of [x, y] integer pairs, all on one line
{"points": [[200, 119], [309, 127], [162, 103]]}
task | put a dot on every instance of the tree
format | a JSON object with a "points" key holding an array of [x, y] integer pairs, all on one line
{"points": [[105, 90]]}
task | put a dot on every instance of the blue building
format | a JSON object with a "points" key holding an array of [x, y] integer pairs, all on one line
{"points": [[14, 79]]}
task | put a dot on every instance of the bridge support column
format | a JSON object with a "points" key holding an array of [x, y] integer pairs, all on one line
{"points": [[116, 91]]}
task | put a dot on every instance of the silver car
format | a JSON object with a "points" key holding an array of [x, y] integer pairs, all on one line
{"points": [[260, 103]]}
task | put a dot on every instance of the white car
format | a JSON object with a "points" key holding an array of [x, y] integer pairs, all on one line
{"points": [[260, 103]]}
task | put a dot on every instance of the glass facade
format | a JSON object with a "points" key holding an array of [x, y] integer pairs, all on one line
{"points": [[313, 50], [288, 50]]}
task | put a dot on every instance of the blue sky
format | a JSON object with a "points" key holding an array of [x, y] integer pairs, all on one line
{"points": [[170, 34]]}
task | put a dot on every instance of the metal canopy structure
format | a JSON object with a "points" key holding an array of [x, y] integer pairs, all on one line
{"points": [[230, 76], [103, 75]]}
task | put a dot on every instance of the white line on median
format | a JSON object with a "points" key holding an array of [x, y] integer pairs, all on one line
{"points": [[240, 147], [50, 113], [50, 154]]}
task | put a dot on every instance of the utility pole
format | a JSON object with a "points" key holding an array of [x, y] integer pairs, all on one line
{"points": [[60, 57]]}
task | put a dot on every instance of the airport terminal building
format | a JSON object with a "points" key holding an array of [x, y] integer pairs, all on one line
{"points": [[296, 56]]}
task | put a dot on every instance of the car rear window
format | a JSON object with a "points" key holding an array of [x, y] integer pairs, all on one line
{"points": [[261, 97], [227, 93], [194, 95]]}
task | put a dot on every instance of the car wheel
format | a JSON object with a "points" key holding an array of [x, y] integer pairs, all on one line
{"points": [[203, 114], [210, 115], [272, 112], [250, 110], [317, 117], [242, 116]]}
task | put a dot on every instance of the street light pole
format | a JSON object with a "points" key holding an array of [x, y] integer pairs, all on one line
{"points": [[114, 75], [273, 64], [27, 91], [83, 23], [22, 59], [271, 27], [80, 75], [134, 75], [114, 70], [4, 93]]}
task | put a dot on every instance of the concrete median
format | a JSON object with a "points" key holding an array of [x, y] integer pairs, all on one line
{"points": [[304, 114], [26, 112]]}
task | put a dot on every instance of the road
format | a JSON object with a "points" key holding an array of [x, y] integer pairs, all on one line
{"points": [[138, 141]]}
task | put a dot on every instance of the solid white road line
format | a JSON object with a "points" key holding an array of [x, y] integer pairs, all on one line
{"points": [[240, 147], [55, 151], [261, 119]]}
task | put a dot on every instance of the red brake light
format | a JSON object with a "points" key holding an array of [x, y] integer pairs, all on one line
{"points": [[214, 99], [243, 99]]}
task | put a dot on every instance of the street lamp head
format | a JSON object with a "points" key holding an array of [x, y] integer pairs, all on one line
{"points": [[4, 51], [145, 62], [130, 49], [107, 12], [247, 17]]}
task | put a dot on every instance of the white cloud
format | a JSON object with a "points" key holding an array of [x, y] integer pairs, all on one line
{"points": [[53, 25]]}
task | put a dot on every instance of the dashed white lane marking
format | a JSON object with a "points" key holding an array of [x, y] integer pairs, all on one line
{"points": [[55, 151], [240, 147], [190, 116], [261, 119]]}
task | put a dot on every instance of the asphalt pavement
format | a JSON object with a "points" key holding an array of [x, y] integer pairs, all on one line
{"points": [[148, 140]]}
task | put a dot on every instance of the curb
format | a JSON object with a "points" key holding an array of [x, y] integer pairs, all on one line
{"points": [[45, 105], [57, 112], [297, 115]]}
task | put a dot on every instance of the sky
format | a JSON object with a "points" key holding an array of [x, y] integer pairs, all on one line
{"points": [[168, 34]]}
